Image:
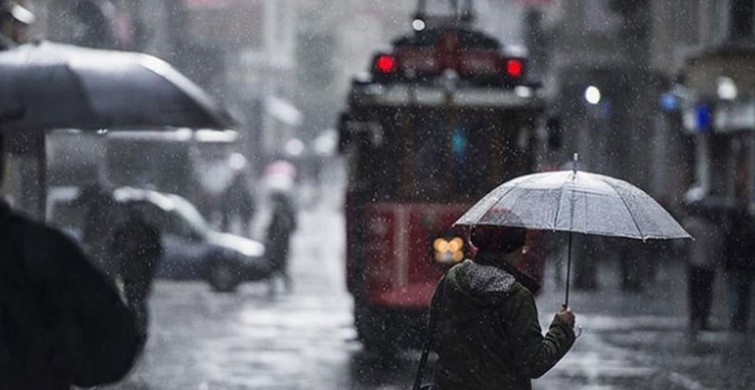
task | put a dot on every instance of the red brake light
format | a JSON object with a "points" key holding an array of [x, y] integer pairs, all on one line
{"points": [[385, 64], [514, 67]]}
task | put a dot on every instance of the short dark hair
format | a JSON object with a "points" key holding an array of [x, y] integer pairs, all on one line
{"points": [[498, 238]]}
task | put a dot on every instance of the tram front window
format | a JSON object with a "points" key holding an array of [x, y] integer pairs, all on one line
{"points": [[440, 156]]}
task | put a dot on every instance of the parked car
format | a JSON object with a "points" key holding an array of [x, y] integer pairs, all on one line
{"points": [[192, 249]]}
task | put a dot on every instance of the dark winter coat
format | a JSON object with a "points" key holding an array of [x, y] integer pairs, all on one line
{"points": [[237, 201], [136, 246], [282, 226], [739, 246], [61, 321], [488, 335]]}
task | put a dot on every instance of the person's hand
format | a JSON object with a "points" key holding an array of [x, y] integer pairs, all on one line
{"points": [[566, 316]]}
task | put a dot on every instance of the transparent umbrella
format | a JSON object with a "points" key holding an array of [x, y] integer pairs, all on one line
{"points": [[574, 202]]}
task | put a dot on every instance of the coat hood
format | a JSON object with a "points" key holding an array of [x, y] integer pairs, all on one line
{"points": [[486, 282], [481, 283]]}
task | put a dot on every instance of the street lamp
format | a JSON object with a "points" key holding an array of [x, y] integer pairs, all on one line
{"points": [[726, 88], [418, 24], [592, 94]]}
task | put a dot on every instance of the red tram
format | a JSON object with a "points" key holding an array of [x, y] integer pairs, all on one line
{"points": [[445, 116]]}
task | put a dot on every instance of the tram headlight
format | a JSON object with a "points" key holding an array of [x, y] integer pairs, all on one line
{"points": [[448, 251]]}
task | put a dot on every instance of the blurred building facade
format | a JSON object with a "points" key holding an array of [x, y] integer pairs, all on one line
{"points": [[601, 49], [716, 91], [651, 63], [244, 52], [653, 92]]}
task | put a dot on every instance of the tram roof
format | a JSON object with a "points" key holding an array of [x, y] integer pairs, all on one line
{"points": [[469, 38]]}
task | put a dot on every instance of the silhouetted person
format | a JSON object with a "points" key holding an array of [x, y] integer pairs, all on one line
{"points": [[739, 266], [61, 322], [238, 204], [279, 231], [97, 227], [488, 334], [15, 21], [704, 255], [137, 247]]}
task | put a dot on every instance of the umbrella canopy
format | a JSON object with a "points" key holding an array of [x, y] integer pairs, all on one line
{"points": [[575, 201], [49, 85]]}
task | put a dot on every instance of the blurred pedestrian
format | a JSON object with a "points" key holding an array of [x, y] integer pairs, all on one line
{"points": [[61, 322], [739, 266], [278, 242], [280, 175], [238, 205], [14, 24], [703, 258], [97, 228], [136, 245], [487, 333]]}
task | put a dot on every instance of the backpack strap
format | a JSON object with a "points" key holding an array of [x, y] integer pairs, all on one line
{"points": [[430, 334]]}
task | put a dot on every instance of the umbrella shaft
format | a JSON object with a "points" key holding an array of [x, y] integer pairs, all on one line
{"points": [[568, 271]]}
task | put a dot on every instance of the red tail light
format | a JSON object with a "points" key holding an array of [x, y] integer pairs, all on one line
{"points": [[514, 67], [385, 64]]}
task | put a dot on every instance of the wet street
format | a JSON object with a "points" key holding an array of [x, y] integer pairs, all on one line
{"points": [[252, 340], [122, 119]]}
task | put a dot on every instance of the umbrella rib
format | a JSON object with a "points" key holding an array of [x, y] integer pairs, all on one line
{"points": [[626, 205], [558, 207], [512, 207], [509, 189]]}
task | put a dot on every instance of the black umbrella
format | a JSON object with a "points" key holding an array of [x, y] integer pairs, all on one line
{"points": [[50, 86]]}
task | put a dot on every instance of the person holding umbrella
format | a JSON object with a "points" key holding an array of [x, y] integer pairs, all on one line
{"points": [[487, 332], [575, 202], [703, 255], [487, 329], [136, 246]]}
